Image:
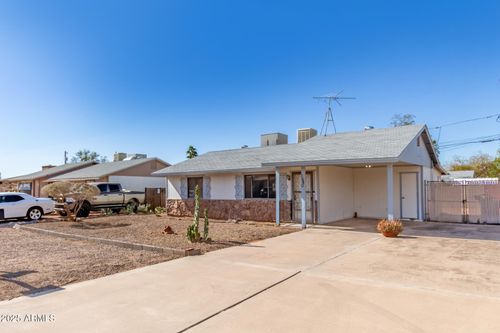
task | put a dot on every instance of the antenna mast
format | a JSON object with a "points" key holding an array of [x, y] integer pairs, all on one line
{"points": [[329, 99]]}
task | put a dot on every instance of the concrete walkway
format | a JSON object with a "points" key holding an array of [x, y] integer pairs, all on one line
{"points": [[336, 279]]}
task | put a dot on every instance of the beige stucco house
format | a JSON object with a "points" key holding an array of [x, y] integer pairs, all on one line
{"points": [[373, 173], [131, 174], [32, 183]]}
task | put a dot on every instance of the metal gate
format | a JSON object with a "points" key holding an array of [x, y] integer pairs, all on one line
{"points": [[455, 202]]}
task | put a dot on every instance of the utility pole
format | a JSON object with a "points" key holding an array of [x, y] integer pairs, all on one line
{"points": [[65, 157]]}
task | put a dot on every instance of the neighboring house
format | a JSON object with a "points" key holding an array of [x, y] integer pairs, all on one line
{"points": [[373, 173], [131, 174], [460, 174], [466, 177], [32, 183]]}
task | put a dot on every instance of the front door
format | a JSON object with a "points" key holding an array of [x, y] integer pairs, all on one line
{"points": [[297, 207], [409, 195]]}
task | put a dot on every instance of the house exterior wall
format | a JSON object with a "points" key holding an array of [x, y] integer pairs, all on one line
{"points": [[223, 200], [145, 169], [174, 188], [370, 191], [417, 154], [336, 188], [244, 209], [137, 183], [222, 187]]}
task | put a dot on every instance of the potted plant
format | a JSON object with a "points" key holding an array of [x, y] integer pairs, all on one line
{"points": [[390, 228]]}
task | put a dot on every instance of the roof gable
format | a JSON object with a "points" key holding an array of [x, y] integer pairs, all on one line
{"points": [[60, 169], [103, 169]]}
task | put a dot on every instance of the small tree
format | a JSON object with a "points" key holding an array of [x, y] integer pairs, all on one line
{"points": [[402, 119], [78, 192], [193, 233], [484, 165], [85, 155], [191, 152]]}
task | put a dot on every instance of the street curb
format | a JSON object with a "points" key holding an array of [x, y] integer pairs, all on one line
{"points": [[133, 246]]}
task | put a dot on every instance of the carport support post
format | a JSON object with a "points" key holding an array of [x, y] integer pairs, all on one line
{"points": [[303, 196], [390, 192], [277, 179]]}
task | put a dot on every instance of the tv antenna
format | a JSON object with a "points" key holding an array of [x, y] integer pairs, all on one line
{"points": [[329, 99]]}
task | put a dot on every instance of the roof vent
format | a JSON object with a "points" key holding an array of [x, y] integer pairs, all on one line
{"points": [[47, 167], [304, 134], [273, 139], [369, 127]]}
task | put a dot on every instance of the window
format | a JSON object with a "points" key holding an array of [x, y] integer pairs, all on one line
{"points": [[11, 198], [114, 188], [24, 187], [260, 186], [103, 188], [192, 182]]}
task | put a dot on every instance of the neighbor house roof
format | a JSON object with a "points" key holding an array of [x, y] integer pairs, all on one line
{"points": [[57, 170], [383, 145], [103, 169]]}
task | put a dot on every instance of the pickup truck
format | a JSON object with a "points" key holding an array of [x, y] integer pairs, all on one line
{"points": [[112, 196]]}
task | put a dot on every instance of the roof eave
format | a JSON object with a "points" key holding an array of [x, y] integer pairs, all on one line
{"points": [[334, 162], [216, 171]]}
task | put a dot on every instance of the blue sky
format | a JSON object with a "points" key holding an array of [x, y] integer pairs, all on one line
{"points": [[156, 76]]}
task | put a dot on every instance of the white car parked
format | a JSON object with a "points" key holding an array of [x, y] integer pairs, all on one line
{"points": [[21, 205]]}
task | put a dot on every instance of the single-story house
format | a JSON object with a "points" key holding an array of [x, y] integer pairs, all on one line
{"points": [[374, 173], [131, 174], [32, 183]]}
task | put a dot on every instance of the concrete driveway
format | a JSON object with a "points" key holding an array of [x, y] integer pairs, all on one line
{"points": [[339, 278]]}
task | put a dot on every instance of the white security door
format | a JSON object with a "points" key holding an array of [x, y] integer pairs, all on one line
{"points": [[409, 195]]}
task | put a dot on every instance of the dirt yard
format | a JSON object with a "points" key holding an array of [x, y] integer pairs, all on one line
{"points": [[33, 262], [147, 229]]}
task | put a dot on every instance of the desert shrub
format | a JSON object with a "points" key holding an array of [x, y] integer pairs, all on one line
{"points": [[79, 193], [390, 226], [144, 209], [159, 210], [107, 212], [129, 209]]}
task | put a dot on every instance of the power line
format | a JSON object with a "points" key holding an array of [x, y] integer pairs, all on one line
{"points": [[451, 145], [497, 115]]}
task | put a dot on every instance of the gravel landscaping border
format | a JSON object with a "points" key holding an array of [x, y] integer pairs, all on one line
{"points": [[128, 245]]}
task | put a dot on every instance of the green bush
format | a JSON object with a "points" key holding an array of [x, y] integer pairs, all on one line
{"points": [[159, 210], [107, 212], [144, 209]]}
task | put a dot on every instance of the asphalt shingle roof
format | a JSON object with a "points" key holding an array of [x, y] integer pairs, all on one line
{"points": [[376, 145], [50, 172], [102, 169]]}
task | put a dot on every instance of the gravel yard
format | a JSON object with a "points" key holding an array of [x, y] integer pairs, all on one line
{"points": [[147, 229], [33, 262]]}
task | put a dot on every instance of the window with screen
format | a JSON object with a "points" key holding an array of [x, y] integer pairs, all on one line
{"points": [[260, 186], [192, 182]]}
